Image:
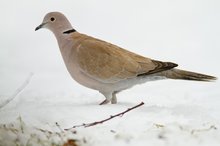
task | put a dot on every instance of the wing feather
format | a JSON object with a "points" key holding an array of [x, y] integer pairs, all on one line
{"points": [[109, 63]]}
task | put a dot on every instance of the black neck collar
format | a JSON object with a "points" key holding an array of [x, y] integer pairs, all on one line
{"points": [[69, 31]]}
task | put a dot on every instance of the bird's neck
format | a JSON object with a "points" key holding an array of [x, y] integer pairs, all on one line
{"points": [[59, 30], [62, 33], [64, 40]]}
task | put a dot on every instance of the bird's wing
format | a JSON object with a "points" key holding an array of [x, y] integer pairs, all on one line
{"points": [[108, 63]]}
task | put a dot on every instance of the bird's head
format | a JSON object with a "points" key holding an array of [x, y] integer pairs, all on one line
{"points": [[56, 22]]}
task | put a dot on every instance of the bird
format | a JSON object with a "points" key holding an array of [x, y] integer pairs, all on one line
{"points": [[105, 67]]}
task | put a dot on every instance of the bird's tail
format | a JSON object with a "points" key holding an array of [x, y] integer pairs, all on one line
{"points": [[187, 75]]}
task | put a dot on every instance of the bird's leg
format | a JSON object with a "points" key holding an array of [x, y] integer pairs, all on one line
{"points": [[114, 98], [108, 97], [106, 101]]}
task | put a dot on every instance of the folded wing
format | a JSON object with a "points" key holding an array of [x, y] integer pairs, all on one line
{"points": [[108, 63]]}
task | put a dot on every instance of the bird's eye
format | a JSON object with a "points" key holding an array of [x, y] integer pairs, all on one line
{"points": [[52, 19]]}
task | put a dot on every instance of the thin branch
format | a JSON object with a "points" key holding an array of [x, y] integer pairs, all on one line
{"points": [[58, 126], [105, 120], [19, 90], [202, 130]]}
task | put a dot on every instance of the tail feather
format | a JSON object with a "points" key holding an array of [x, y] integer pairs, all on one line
{"points": [[187, 75]]}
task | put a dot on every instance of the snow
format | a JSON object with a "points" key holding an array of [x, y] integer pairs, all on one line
{"points": [[175, 112], [168, 117]]}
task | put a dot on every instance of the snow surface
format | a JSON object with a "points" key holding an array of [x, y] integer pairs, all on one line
{"points": [[168, 117], [175, 112]]}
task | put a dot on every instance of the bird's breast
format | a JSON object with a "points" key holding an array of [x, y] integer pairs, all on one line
{"points": [[69, 54]]}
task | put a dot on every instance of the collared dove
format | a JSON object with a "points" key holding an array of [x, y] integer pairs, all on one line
{"points": [[105, 67]]}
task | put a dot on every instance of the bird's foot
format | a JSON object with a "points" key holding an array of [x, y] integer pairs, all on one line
{"points": [[106, 101]]}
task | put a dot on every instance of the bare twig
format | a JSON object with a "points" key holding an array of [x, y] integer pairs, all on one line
{"points": [[19, 90], [58, 126], [105, 120], [202, 130]]}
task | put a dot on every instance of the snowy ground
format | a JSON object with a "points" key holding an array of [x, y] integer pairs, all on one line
{"points": [[175, 112]]}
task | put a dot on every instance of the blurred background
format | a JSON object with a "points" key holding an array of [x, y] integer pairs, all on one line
{"points": [[185, 32]]}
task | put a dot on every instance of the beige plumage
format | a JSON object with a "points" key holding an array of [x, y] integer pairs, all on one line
{"points": [[106, 67]]}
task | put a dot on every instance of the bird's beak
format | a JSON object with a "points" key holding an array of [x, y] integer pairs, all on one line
{"points": [[40, 26]]}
